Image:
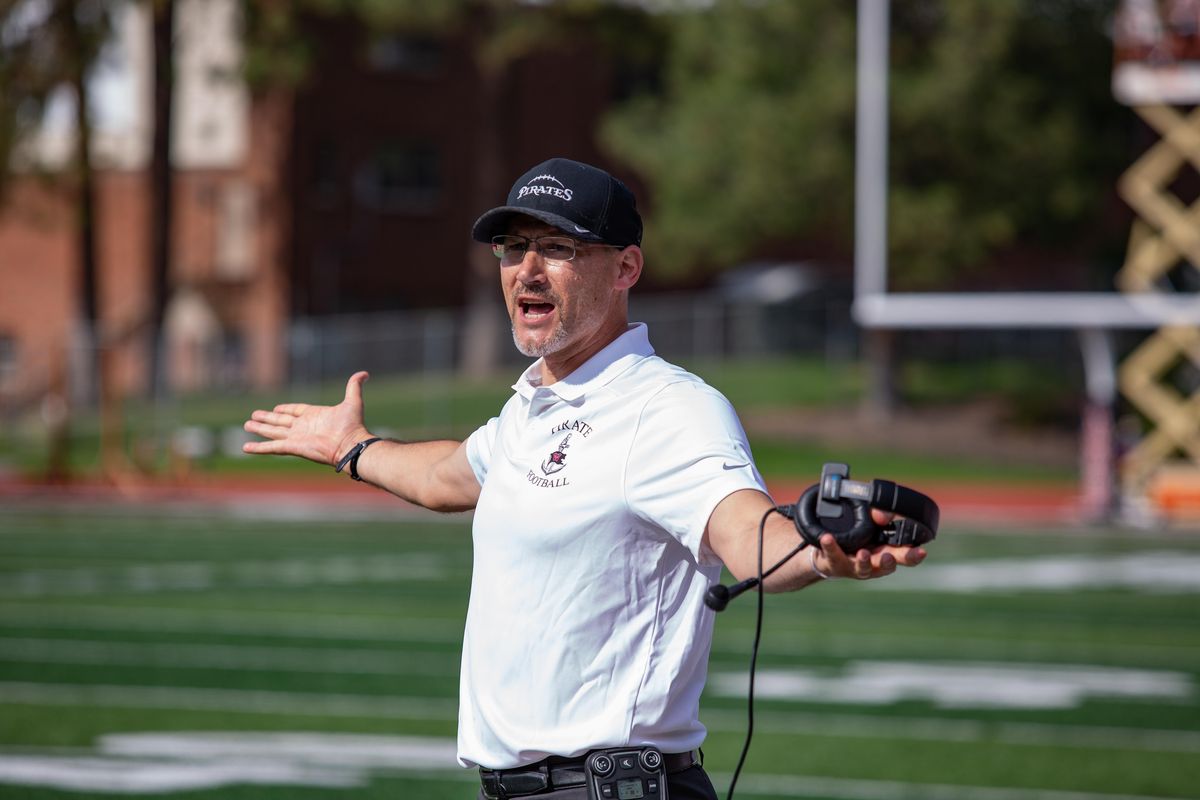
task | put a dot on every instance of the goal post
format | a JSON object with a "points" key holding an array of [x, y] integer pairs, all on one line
{"points": [[1164, 234]]}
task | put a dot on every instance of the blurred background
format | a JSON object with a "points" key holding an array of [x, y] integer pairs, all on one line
{"points": [[212, 206], [307, 216]]}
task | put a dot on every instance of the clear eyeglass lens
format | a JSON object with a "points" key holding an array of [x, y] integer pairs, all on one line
{"points": [[557, 248], [512, 249]]}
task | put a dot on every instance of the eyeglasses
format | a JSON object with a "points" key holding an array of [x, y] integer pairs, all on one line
{"points": [[511, 249]]}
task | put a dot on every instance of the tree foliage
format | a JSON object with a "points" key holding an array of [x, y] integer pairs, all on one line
{"points": [[1002, 130], [43, 46]]}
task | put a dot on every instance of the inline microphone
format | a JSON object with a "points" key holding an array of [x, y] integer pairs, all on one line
{"points": [[719, 595]]}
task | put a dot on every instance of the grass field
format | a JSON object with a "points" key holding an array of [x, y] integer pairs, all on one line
{"points": [[422, 407], [215, 657]]}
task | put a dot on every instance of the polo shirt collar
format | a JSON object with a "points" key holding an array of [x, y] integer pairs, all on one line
{"points": [[616, 357]]}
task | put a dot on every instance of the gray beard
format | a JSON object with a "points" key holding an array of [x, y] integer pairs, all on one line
{"points": [[551, 345]]}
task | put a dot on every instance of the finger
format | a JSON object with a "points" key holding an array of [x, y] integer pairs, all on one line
{"points": [[294, 409], [881, 517], [273, 447], [837, 561], [861, 565], [264, 430], [272, 418], [354, 387]]}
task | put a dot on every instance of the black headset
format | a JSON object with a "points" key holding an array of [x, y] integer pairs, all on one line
{"points": [[842, 507]]}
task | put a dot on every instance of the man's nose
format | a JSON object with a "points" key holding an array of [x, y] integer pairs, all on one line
{"points": [[533, 267]]}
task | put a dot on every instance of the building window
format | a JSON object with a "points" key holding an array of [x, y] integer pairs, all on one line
{"points": [[404, 54], [237, 222], [399, 177], [8, 357]]}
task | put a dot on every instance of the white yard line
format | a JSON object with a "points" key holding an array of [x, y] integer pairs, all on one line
{"points": [[190, 576], [286, 624], [904, 643], [934, 729], [851, 789], [798, 724], [961, 684], [1148, 572], [282, 624], [230, 657], [142, 763], [244, 701]]}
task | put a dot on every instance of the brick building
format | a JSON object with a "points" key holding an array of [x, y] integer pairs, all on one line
{"points": [[351, 193]]}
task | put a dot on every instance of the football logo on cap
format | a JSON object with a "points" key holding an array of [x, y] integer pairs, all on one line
{"points": [[541, 184]]}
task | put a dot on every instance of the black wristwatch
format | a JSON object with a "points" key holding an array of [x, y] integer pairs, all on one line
{"points": [[351, 458]]}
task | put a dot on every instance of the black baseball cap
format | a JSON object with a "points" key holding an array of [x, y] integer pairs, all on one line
{"points": [[580, 200]]}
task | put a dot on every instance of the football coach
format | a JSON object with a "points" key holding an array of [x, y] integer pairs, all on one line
{"points": [[608, 492]]}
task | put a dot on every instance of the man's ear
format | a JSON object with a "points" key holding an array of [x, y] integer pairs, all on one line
{"points": [[630, 267]]}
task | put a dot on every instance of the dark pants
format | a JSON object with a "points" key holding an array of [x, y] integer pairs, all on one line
{"points": [[691, 784]]}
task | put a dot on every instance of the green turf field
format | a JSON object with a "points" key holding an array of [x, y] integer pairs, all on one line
{"points": [[213, 657]]}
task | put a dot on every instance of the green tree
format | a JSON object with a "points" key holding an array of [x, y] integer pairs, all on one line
{"points": [[1002, 130], [45, 46]]}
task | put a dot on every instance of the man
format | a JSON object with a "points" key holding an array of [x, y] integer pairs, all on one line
{"points": [[607, 494]]}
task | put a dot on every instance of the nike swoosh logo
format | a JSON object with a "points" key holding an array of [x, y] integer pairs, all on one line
{"points": [[581, 230], [734, 466]]}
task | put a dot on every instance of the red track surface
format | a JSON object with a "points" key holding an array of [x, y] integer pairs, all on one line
{"points": [[960, 503]]}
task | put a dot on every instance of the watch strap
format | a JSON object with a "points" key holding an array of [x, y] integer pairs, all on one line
{"points": [[351, 458]]}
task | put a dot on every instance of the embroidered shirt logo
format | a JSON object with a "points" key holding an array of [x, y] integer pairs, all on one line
{"points": [[546, 184], [558, 459]]}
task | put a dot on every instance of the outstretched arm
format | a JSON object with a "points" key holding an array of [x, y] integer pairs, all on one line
{"points": [[436, 475], [732, 534]]}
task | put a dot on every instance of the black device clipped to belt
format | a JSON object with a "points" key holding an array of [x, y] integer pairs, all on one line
{"points": [[842, 507], [619, 773]]}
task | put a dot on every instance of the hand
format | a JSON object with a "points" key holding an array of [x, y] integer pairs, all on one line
{"points": [[319, 433], [866, 563]]}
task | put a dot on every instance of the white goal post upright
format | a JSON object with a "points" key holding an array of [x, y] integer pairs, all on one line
{"points": [[1093, 315]]}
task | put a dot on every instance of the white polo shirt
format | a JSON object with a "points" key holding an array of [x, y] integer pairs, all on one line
{"points": [[587, 626]]}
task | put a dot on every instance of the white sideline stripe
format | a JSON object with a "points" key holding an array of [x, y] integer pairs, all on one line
{"points": [[372, 662], [865, 643], [192, 576], [232, 657], [1152, 572], [393, 629], [854, 789], [796, 724], [346, 750], [230, 700], [138, 763], [137, 776], [960, 684], [166, 762], [257, 623], [936, 729]]}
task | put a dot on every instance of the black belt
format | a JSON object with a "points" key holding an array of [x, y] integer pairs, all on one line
{"points": [[555, 773]]}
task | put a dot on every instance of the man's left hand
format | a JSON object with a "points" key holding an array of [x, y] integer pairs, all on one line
{"points": [[867, 563]]}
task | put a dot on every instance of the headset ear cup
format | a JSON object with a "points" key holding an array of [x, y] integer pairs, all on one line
{"points": [[808, 524], [854, 529], [863, 533]]}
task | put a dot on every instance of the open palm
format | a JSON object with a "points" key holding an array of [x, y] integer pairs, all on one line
{"points": [[318, 433]]}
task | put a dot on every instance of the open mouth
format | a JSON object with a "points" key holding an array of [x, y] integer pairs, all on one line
{"points": [[535, 310]]}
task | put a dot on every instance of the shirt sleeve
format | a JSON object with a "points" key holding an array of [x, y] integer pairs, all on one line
{"points": [[480, 445], [689, 453]]}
